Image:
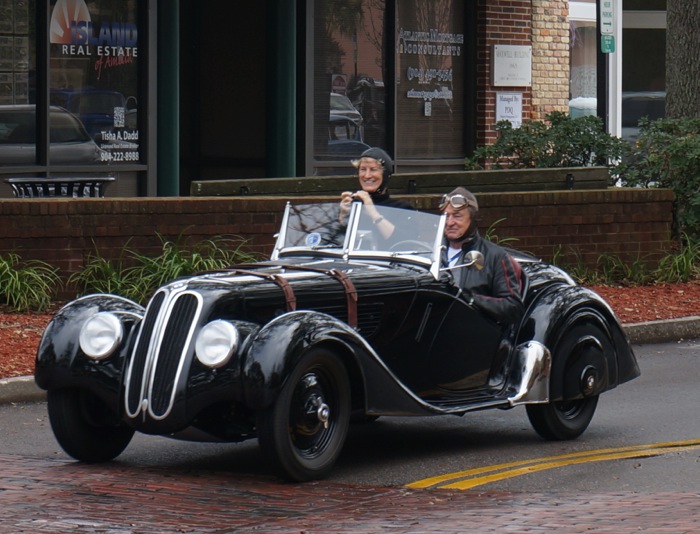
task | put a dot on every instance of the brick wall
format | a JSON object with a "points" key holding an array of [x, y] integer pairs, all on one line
{"points": [[627, 223], [542, 24]]}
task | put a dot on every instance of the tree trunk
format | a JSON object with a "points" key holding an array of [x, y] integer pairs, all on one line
{"points": [[682, 59]]}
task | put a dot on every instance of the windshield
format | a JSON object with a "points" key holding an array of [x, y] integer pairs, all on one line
{"points": [[320, 229]]}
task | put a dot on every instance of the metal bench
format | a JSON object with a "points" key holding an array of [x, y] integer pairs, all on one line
{"points": [[74, 187]]}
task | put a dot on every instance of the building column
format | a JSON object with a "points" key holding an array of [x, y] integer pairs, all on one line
{"points": [[168, 99], [280, 130]]}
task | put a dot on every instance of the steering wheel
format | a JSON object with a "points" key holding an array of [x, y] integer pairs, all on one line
{"points": [[410, 245]]}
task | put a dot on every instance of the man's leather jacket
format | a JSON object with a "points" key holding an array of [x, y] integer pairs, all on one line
{"points": [[495, 289]]}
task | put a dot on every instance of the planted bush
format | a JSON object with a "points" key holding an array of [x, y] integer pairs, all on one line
{"points": [[667, 154], [27, 285], [136, 275], [559, 141]]}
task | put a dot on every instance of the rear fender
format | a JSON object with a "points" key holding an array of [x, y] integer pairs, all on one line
{"points": [[554, 315]]}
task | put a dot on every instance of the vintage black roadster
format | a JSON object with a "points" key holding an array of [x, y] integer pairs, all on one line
{"points": [[341, 324]]}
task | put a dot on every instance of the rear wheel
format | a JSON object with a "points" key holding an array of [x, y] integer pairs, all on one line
{"points": [[305, 428], [583, 352], [85, 428], [562, 420]]}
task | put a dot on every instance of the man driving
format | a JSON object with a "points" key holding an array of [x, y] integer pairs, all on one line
{"points": [[494, 288]]}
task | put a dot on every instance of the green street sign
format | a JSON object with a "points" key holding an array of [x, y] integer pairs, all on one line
{"points": [[607, 44]]}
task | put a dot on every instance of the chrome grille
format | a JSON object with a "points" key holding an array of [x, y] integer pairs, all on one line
{"points": [[137, 372], [166, 365], [156, 362]]}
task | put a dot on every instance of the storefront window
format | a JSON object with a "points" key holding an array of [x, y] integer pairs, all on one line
{"points": [[643, 67], [583, 84], [17, 82], [349, 73], [93, 75], [430, 48]]}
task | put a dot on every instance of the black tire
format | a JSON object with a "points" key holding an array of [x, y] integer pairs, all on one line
{"points": [[564, 420], [85, 428], [569, 418], [291, 432]]}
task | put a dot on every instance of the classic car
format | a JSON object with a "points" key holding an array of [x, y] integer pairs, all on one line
{"points": [[339, 325]]}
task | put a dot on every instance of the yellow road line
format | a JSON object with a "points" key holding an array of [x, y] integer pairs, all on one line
{"points": [[483, 475]]}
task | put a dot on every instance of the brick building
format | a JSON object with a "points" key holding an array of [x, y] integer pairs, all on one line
{"points": [[177, 91]]}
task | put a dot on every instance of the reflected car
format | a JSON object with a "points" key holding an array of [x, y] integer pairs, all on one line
{"points": [[339, 325], [342, 107], [69, 141], [638, 105], [344, 139], [94, 107]]}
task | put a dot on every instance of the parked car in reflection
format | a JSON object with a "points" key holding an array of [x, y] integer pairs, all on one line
{"points": [[342, 107], [340, 322], [344, 139], [637, 105], [69, 141], [95, 107]]}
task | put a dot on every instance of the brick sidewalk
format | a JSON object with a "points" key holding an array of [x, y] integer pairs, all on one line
{"points": [[38, 495]]}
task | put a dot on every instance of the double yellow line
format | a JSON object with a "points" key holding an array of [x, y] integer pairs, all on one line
{"points": [[483, 475]]}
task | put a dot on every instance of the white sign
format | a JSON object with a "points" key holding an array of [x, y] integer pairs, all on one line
{"points": [[509, 107], [607, 17], [512, 66]]}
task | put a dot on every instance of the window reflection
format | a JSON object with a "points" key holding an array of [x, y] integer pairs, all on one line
{"points": [[349, 104], [430, 59], [583, 83], [94, 72], [17, 53]]}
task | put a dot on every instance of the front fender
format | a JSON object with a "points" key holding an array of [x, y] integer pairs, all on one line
{"points": [[278, 346], [557, 311], [61, 363]]}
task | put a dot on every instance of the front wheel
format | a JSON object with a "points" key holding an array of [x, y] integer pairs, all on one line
{"points": [[563, 420], [85, 428], [305, 428]]}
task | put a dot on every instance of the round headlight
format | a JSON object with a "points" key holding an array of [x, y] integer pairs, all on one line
{"points": [[216, 343], [100, 335]]}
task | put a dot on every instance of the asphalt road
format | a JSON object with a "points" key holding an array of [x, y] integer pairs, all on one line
{"points": [[645, 437]]}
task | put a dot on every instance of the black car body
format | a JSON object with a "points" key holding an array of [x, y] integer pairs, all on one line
{"points": [[338, 323]]}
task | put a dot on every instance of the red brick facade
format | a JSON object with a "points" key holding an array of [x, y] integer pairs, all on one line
{"points": [[624, 223], [542, 24]]}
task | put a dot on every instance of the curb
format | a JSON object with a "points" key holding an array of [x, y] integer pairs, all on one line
{"points": [[662, 331], [23, 388], [20, 389]]}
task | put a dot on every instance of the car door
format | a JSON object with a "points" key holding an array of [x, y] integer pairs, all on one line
{"points": [[444, 345], [464, 349]]}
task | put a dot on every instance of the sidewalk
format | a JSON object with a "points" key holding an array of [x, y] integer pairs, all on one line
{"points": [[23, 389]]}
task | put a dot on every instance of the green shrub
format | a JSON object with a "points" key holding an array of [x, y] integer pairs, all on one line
{"points": [[667, 154], [27, 285], [136, 275], [561, 141], [681, 266]]}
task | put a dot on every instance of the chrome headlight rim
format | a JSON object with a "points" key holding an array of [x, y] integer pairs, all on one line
{"points": [[100, 335], [216, 343]]}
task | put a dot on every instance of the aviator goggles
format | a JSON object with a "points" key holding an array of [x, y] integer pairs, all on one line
{"points": [[458, 202]]}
